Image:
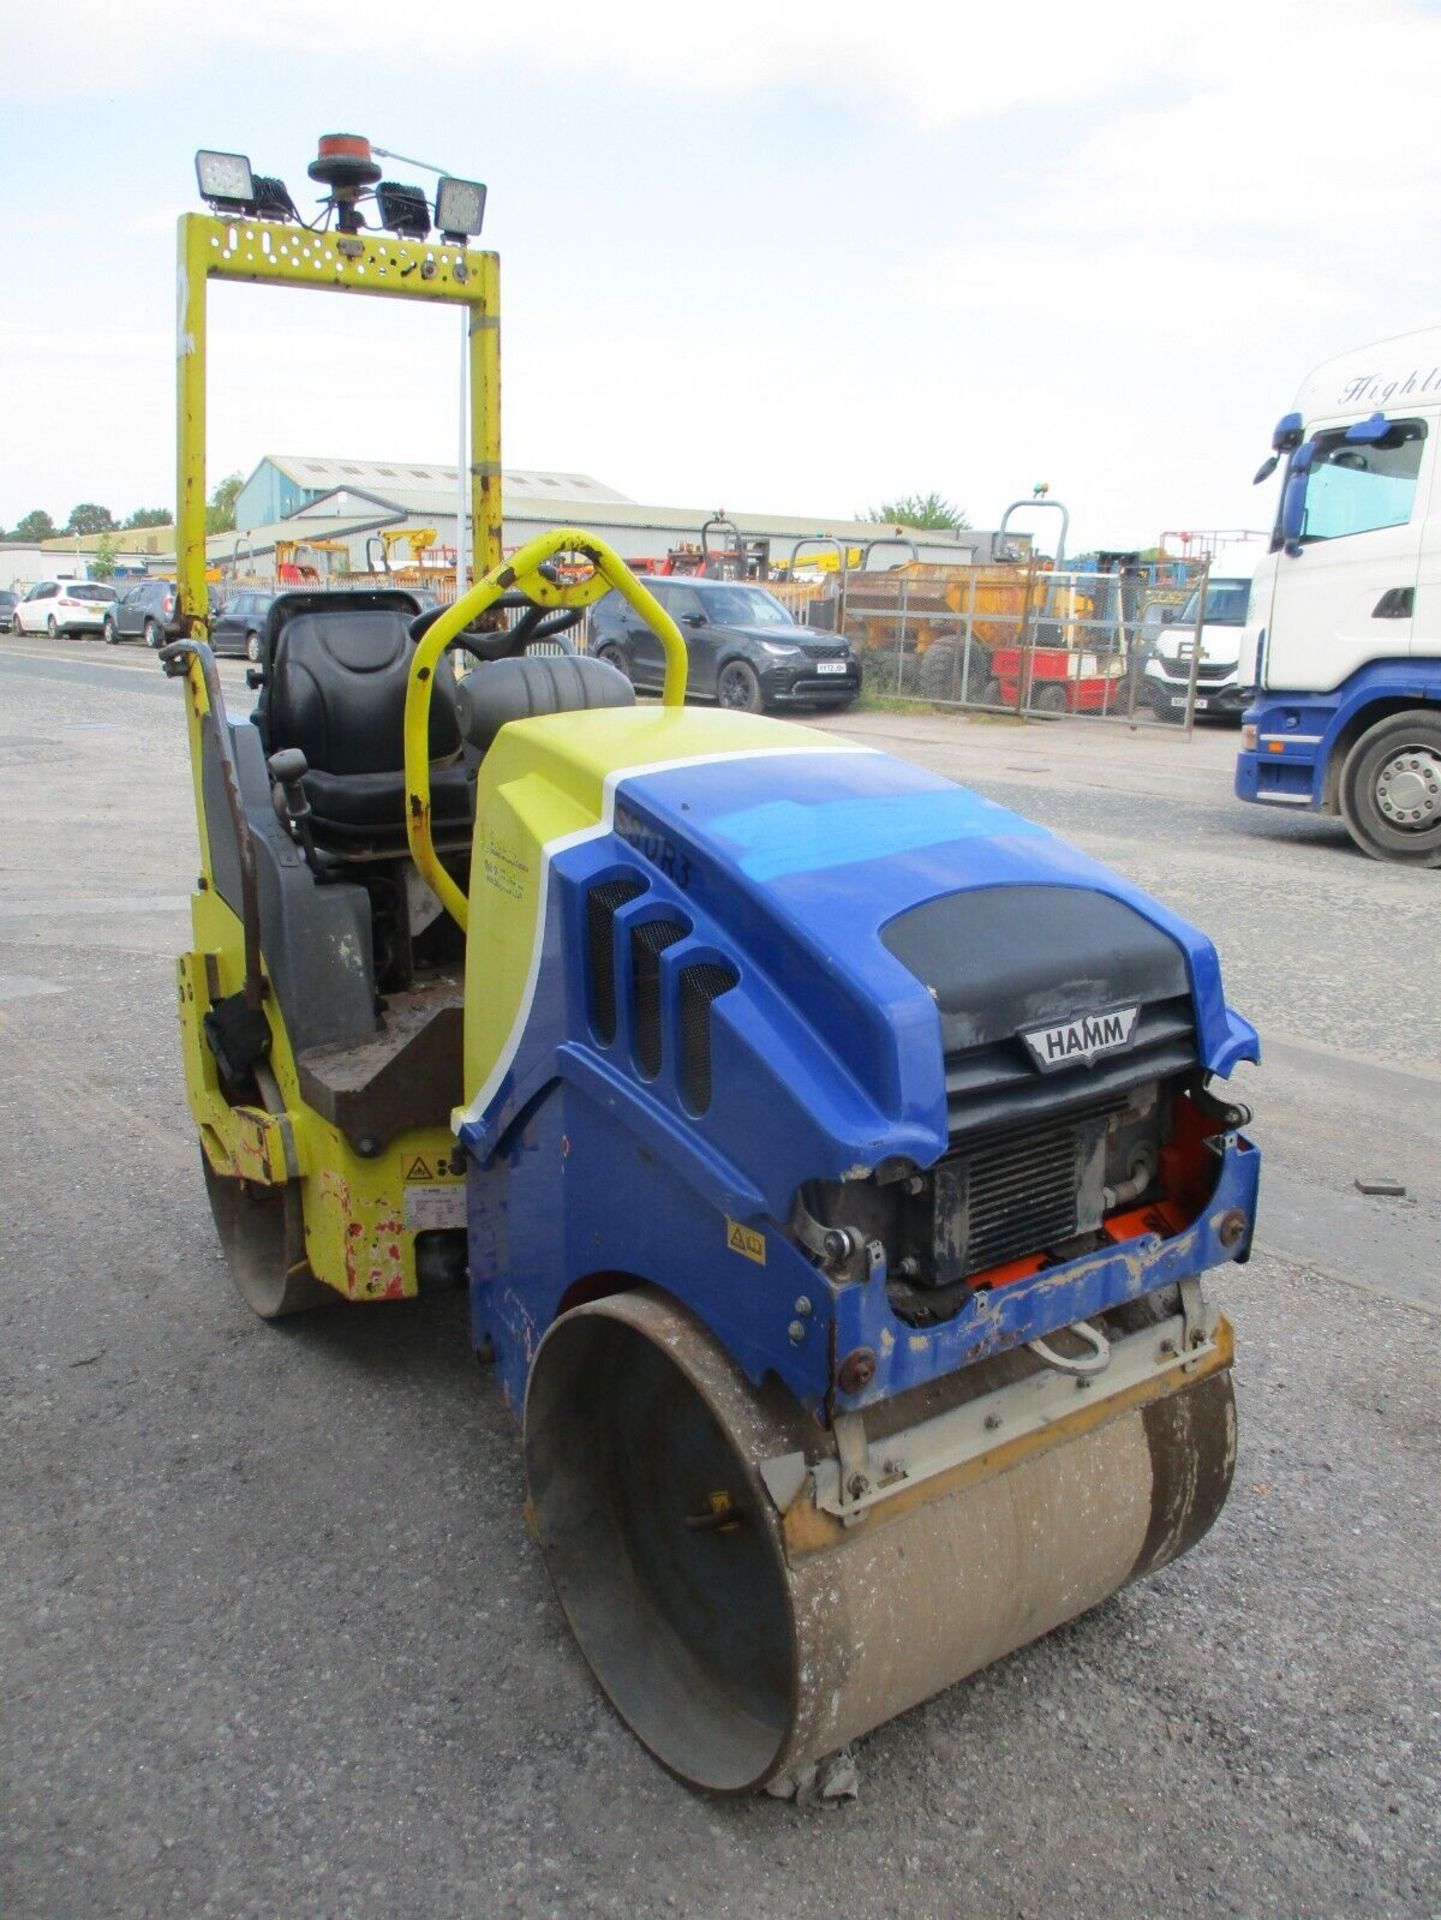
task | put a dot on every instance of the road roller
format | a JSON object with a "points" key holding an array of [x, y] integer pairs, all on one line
{"points": [[832, 1156]]}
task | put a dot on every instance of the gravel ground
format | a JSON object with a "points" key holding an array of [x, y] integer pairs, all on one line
{"points": [[275, 1640]]}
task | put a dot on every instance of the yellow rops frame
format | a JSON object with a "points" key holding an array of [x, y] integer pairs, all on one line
{"points": [[266, 253]]}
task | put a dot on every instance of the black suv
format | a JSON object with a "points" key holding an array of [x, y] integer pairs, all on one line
{"points": [[745, 650]]}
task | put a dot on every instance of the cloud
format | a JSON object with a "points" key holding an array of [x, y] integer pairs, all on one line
{"points": [[946, 63], [1183, 294]]}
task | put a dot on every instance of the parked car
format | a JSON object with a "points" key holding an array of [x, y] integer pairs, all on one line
{"points": [[8, 603], [63, 606], [148, 611], [745, 650], [238, 627]]}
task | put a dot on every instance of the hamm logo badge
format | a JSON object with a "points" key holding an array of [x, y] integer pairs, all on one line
{"points": [[1083, 1039]]}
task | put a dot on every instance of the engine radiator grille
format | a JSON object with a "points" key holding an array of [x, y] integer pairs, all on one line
{"points": [[1019, 1192], [1022, 1194]]}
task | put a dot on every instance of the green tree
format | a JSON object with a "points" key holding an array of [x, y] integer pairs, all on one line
{"points": [[102, 567], [220, 514], [149, 517], [90, 517], [37, 525], [919, 510]]}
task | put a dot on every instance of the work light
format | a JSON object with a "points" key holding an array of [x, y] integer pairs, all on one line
{"points": [[459, 208], [405, 210], [225, 181]]}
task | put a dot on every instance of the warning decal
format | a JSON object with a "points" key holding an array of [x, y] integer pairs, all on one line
{"points": [[747, 1241]]}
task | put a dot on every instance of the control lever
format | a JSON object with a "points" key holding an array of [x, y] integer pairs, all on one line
{"points": [[288, 769]]}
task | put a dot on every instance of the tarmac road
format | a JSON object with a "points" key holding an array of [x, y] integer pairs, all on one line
{"points": [[275, 1640]]}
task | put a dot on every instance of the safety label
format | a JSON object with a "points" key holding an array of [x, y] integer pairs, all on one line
{"points": [[428, 1207], [747, 1241]]}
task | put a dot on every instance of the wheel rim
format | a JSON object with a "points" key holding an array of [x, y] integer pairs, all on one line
{"points": [[1408, 789], [50, 627], [152, 634], [252, 647], [735, 688]]}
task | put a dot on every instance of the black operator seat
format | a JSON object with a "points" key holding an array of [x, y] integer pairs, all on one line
{"points": [[337, 667]]}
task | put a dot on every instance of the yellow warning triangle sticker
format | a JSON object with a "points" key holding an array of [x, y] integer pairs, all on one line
{"points": [[418, 1170]]}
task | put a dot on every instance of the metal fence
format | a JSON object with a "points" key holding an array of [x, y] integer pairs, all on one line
{"points": [[1019, 638], [1025, 639]]}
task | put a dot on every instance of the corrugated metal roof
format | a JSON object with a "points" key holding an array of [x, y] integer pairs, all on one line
{"points": [[261, 540], [668, 523], [391, 478]]}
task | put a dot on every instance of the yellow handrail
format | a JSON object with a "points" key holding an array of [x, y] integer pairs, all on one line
{"points": [[520, 574]]}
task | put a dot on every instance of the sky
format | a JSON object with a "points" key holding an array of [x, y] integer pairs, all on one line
{"points": [[789, 258]]}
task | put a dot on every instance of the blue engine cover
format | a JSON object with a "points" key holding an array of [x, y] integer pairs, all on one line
{"points": [[595, 1165]]}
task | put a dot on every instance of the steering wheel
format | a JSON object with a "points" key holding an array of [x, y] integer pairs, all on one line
{"points": [[537, 624], [551, 607]]}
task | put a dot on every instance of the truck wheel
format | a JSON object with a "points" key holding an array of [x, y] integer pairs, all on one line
{"points": [[992, 694], [1049, 697], [1391, 789], [944, 675], [738, 687]]}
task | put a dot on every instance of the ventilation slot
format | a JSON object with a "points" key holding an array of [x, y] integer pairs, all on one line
{"points": [[699, 985], [601, 904], [648, 942]]}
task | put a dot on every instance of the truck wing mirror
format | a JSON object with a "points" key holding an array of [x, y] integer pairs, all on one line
{"points": [[1293, 500]]}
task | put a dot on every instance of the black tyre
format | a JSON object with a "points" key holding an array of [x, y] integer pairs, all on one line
{"points": [[154, 638], [107, 629], [252, 647], [950, 671], [1391, 789], [738, 688], [991, 695], [51, 628], [1049, 696], [613, 657], [15, 626]]}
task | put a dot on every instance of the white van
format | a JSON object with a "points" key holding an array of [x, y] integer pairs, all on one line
{"points": [[1227, 675]]}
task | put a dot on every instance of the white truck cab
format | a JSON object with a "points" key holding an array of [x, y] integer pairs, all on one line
{"points": [[1226, 676], [1347, 605]]}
